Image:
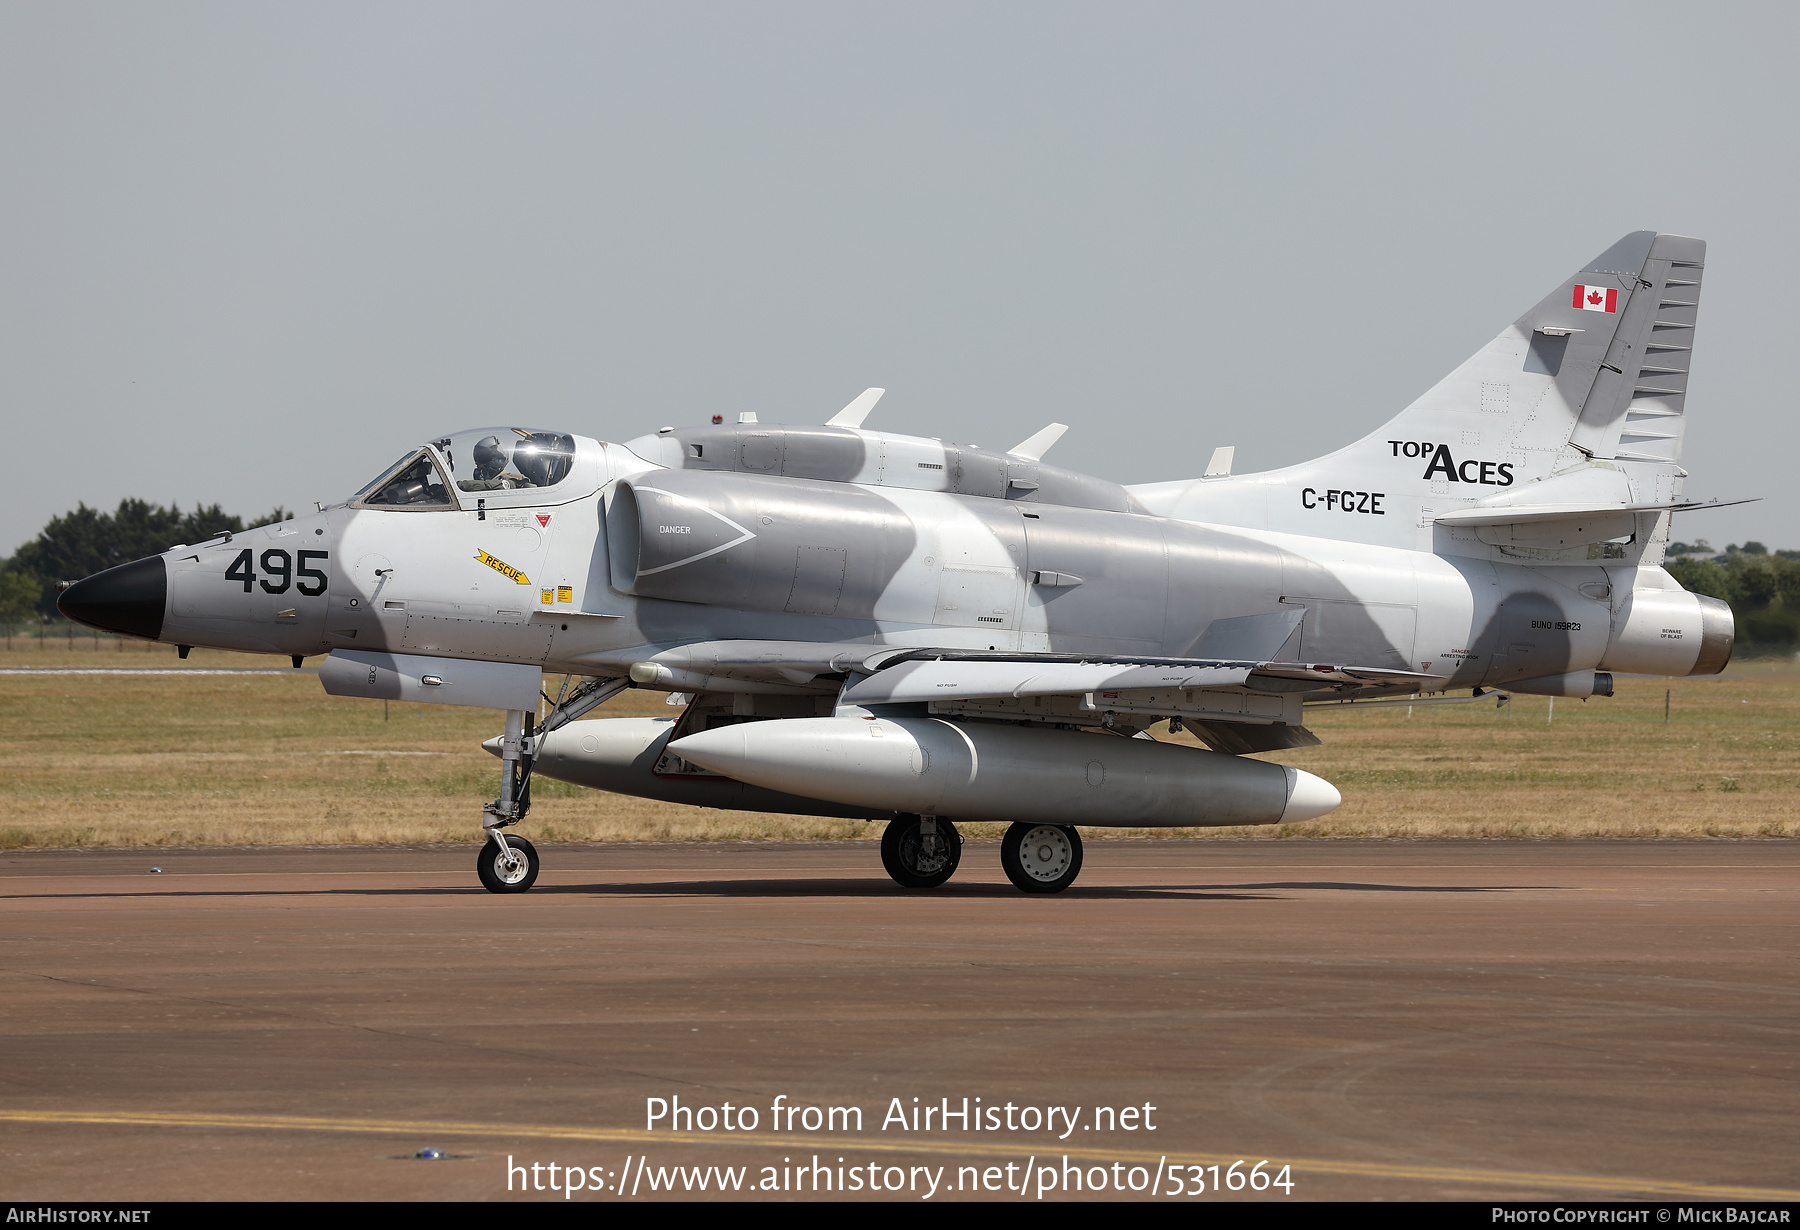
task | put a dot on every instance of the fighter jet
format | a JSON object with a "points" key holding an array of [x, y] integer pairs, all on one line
{"points": [[858, 623]]}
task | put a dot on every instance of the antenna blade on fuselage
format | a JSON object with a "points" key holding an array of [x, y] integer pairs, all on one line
{"points": [[1034, 447], [853, 414]]}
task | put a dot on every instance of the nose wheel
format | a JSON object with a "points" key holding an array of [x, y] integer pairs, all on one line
{"points": [[1041, 858], [920, 851], [510, 870]]}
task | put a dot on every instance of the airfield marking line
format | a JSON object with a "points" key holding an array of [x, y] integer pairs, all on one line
{"points": [[225, 875], [1374, 1170], [575, 876], [222, 875], [152, 670]]}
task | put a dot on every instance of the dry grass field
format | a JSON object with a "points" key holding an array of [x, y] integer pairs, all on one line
{"points": [[98, 760]]}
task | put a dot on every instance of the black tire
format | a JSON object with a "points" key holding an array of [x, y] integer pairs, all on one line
{"points": [[1041, 858], [499, 879], [903, 853]]}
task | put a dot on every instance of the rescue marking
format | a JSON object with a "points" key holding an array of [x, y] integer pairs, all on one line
{"points": [[502, 567]]}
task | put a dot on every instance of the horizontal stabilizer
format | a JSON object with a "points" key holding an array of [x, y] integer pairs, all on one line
{"points": [[853, 414], [1033, 448], [1554, 526], [1513, 514]]}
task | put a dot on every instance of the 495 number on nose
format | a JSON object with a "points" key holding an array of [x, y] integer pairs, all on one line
{"points": [[279, 571]]}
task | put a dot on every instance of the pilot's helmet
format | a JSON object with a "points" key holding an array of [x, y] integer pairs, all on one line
{"points": [[544, 457], [490, 458]]}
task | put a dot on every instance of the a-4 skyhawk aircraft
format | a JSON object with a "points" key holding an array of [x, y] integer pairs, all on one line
{"points": [[871, 625]]}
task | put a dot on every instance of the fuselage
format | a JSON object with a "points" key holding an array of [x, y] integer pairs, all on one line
{"points": [[841, 536]]}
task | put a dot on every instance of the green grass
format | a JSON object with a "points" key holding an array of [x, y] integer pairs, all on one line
{"points": [[206, 760]]}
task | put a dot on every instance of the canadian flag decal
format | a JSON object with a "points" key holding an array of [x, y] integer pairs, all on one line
{"points": [[544, 518], [1596, 299]]}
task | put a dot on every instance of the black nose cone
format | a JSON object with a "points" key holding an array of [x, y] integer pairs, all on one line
{"points": [[126, 599]]}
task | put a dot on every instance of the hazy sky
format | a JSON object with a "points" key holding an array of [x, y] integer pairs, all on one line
{"points": [[249, 253]]}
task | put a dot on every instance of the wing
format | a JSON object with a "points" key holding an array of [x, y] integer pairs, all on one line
{"points": [[1234, 705]]}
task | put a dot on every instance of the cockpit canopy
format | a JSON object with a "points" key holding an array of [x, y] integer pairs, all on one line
{"points": [[486, 463], [507, 458]]}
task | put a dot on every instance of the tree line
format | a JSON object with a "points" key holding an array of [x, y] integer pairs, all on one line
{"points": [[81, 543], [1762, 586]]}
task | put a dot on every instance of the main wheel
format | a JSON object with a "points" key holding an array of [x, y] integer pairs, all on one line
{"points": [[917, 859], [1041, 858], [512, 872]]}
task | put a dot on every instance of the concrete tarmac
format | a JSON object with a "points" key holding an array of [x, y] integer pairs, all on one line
{"points": [[1388, 1019]]}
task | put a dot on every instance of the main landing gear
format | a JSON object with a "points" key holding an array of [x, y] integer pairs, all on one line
{"points": [[510, 864], [1041, 858], [920, 851], [923, 852]]}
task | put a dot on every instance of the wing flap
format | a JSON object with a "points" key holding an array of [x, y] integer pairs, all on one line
{"points": [[911, 682]]}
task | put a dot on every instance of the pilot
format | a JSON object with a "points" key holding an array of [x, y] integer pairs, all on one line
{"points": [[490, 464], [490, 458], [544, 457]]}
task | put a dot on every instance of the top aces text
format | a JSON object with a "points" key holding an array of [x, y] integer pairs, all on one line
{"points": [[1441, 464]]}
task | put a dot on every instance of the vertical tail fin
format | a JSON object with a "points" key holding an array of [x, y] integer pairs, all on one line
{"points": [[1600, 363], [1590, 385], [1634, 411]]}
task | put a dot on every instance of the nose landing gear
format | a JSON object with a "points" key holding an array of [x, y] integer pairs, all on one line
{"points": [[510, 864], [509, 869]]}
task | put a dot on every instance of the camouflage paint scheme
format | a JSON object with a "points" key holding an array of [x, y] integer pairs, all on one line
{"points": [[1506, 530]]}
